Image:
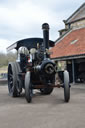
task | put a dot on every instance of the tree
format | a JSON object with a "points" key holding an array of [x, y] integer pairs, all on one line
{"points": [[6, 58]]}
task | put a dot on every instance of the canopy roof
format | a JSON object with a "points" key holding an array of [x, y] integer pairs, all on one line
{"points": [[29, 43]]}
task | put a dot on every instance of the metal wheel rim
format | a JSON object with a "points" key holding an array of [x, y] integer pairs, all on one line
{"points": [[10, 80]]}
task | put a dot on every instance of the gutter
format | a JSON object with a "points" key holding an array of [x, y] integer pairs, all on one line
{"points": [[64, 58]]}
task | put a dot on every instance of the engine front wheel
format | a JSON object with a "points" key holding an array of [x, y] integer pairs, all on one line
{"points": [[28, 87], [66, 87]]}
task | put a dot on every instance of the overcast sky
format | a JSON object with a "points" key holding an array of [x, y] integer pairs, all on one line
{"points": [[23, 18]]}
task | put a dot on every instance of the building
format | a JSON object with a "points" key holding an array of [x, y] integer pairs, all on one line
{"points": [[70, 46]]}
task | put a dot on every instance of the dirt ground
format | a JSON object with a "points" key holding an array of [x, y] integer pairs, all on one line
{"points": [[44, 111]]}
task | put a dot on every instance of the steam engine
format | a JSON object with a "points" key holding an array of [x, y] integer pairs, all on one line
{"points": [[43, 69], [34, 69]]}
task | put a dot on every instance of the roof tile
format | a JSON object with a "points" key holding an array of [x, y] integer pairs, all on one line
{"points": [[65, 48]]}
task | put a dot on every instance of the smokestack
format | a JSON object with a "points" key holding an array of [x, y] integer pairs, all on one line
{"points": [[45, 28]]}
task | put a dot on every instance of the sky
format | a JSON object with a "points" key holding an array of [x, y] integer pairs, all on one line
{"points": [[21, 19]]}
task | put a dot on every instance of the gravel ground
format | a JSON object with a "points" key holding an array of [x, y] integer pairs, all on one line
{"points": [[44, 111]]}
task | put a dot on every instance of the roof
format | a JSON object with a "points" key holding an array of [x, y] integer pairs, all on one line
{"points": [[29, 43], [77, 15], [70, 45]]}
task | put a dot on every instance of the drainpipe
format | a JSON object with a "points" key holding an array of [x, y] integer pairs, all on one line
{"points": [[73, 71]]}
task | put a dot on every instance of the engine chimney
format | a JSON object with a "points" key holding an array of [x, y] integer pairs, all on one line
{"points": [[45, 28]]}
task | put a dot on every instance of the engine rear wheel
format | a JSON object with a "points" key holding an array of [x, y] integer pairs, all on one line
{"points": [[19, 81], [28, 87], [46, 91], [66, 87], [12, 80]]}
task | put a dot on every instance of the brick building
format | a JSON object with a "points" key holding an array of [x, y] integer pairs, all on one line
{"points": [[70, 46]]}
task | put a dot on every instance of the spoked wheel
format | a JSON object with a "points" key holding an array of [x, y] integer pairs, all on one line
{"points": [[66, 87], [19, 81], [12, 80], [28, 87], [46, 91]]}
